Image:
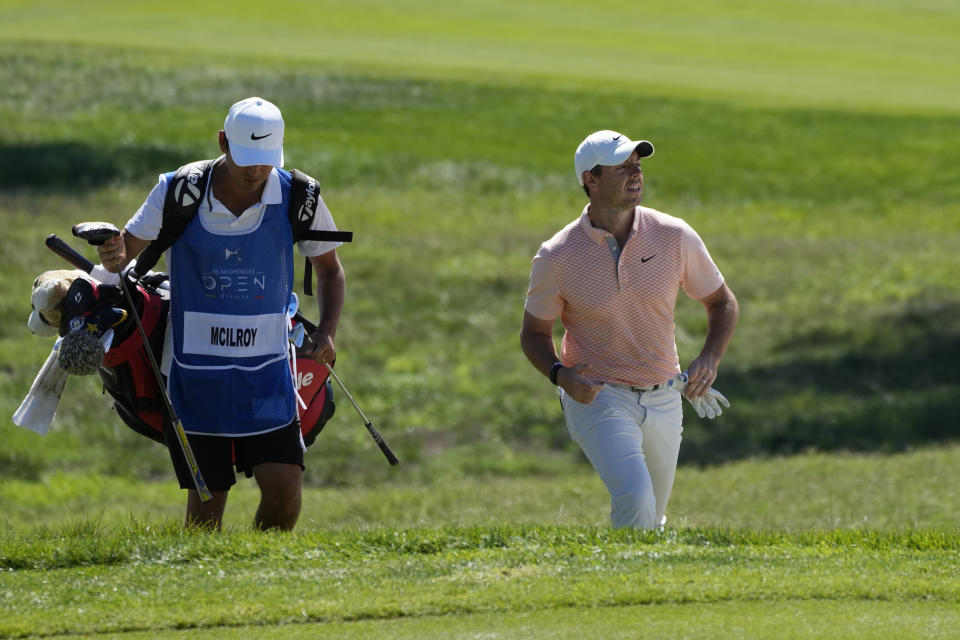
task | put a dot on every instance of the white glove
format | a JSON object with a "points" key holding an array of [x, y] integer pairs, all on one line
{"points": [[707, 406]]}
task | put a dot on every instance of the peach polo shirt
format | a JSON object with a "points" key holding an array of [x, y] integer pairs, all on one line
{"points": [[618, 315]]}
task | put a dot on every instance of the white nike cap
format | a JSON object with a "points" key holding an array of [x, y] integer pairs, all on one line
{"points": [[607, 148], [254, 130]]}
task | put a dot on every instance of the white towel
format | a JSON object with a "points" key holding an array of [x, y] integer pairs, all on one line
{"points": [[38, 408]]}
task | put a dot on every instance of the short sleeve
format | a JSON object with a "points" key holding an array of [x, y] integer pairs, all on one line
{"points": [[701, 277], [543, 296], [145, 223]]}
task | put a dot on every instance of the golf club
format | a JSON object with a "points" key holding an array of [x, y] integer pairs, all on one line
{"points": [[384, 447], [391, 458], [96, 234]]}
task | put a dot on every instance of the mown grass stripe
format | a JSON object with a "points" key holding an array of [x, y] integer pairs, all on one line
{"points": [[88, 544]]}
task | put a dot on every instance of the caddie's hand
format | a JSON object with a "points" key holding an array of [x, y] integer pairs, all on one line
{"points": [[707, 405], [581, 389], [321, 347], [112, 254]]}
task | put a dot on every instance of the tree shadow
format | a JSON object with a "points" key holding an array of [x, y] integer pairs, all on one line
{"points": [[63, 166], [887, 385]]}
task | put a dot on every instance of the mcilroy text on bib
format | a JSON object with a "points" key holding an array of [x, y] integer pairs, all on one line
{"points": [[214, 334]]}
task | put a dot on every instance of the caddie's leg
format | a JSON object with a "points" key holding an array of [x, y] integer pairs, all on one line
{"points": [[608, 431], [214, 457], [207, 514], [275, 459], [661, 443], [280, 495]]}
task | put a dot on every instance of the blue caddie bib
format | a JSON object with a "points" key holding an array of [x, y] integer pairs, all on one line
{"points": [[228, 294]]}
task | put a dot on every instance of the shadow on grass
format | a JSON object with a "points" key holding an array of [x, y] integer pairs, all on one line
{"points": [[891, 383], [54, 166]]}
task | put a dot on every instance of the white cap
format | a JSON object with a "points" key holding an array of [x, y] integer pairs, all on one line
{"points": [[607, 148], [254, 130]]}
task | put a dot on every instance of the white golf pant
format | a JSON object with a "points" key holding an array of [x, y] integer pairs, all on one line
{"points": [[632, 439]]}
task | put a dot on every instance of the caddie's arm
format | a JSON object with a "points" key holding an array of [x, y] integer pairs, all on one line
{"points": [[331, 290], [536, 341], [116, 253], [723, 311]]}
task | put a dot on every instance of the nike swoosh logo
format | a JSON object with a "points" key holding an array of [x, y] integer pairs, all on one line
{"points": [[253, 137], [646, 259], [617, 138]]}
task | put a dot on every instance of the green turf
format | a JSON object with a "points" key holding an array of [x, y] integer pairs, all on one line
{"points": [[890, 55], [841, 253], [812, 144], [84, 580], [776, 620]]}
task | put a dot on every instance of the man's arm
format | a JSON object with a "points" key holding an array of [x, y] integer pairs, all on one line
{"points": [[331, 290], [722, 315], [536, 341]]}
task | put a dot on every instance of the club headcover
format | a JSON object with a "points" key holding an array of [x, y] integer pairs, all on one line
{"points": [[81, 297], [81, 352]]}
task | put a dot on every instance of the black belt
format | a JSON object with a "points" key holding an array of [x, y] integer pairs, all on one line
{"points": [[636, 389]]}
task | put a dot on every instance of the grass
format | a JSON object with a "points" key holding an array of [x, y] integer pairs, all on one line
{"points": [[160, 579], [839, 254], [794, 619], [889, 55], [796, 493], [823, 541], [812, 145]]}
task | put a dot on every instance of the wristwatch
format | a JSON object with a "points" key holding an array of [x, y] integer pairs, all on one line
{"points": [[554, 370]]}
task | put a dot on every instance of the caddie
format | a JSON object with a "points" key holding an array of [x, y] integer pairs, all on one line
{"points": [[611, 277], [231, 278]]}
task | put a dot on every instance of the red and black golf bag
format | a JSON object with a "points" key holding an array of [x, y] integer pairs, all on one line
{"points": [[128, 376]]}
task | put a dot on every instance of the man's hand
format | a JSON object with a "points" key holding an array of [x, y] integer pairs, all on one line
{"points": [[583, 390], [112, 254], [706, 405], [321, 348]]}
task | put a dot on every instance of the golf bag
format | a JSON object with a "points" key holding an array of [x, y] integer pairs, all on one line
{"points": [[128, 376], [126, 372]]}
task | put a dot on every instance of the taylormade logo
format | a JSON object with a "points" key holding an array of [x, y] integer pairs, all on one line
{"points": [[306, 211], [304, 379], [186, 191], [232, 337]]}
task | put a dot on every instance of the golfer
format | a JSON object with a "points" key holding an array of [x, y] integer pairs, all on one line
{"points": [[612, 276], [231, 276]]}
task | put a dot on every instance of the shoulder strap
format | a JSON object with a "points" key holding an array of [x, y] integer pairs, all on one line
{"points": [[303, 206], [184, 192]]}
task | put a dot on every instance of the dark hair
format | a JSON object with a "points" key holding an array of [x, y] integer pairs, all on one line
{"points": [[596, 171]]}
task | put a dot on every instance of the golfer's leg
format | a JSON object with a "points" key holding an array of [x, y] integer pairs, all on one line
{"points": [[207, 514], [661, 443], [280, 495], [608, 431]]}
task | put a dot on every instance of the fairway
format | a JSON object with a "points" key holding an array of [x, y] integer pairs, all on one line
{"points": [[812, 144], [444, 580], [884, 55]]}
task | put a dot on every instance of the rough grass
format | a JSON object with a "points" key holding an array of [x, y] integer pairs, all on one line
{"points": [[838, 242]]}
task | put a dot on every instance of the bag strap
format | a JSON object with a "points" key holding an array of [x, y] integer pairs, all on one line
{"points": [[304, 196], [184, 193]]}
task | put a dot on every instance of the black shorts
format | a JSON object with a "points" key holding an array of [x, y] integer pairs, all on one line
{"points": [[218, 455]]}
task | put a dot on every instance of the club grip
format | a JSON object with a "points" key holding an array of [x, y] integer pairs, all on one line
{"points": [[68, 253], [392, 459]]}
